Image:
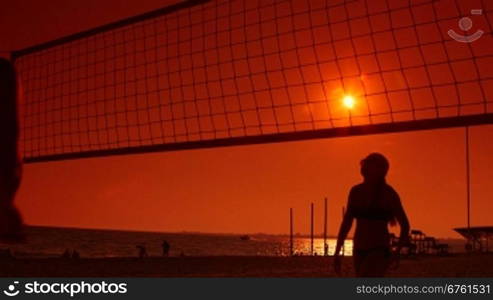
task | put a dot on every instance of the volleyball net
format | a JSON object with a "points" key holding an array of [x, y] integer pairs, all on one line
{"points": [[230, 72]]}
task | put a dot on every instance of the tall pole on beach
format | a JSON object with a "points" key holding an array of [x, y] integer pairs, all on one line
{"points": [[343, 214], [311, 229], [468, 179], [291, 231], [468, 185], [325, 227]]}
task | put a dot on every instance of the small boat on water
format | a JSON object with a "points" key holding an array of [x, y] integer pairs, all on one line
{"points": [[245, 237]]}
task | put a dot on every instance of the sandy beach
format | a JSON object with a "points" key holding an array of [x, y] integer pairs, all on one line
{"points": [[459, 265]]}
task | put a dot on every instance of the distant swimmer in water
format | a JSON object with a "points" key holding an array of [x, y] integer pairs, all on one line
{"points": [[11, 225], [374, 204]]}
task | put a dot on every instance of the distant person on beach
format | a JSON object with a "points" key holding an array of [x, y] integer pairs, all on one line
{"points": [[10, 164], [142, 251], [66, 254], [166, 248], [374, 204]]}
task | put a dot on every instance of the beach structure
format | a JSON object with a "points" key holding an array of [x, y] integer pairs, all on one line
{"points": [[420, 243], [417, 238], [432, 246], [478, 237], [409, 249]]}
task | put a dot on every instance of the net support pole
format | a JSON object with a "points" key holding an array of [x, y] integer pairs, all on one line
{"points": [[468, 182]]}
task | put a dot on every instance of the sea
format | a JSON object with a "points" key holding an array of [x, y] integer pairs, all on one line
{"points": [[95, 243]]}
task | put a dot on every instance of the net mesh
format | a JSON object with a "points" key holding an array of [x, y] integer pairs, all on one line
{"points": [[239, 68]]}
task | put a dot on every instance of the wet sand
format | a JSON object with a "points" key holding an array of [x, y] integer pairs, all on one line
{"points": [[459, 265]]}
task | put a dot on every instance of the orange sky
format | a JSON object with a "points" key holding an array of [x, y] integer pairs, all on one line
{"points": [[250, 188], [238, 189]]}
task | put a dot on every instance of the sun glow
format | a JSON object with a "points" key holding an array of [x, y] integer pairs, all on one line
{"points": [[348, 101]]}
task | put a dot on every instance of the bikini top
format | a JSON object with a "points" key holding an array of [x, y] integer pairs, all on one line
{"points": [[373, 211]]}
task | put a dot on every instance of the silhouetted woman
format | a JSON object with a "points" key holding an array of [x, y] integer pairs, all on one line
{"points": [[374, 204], [10, 164]]}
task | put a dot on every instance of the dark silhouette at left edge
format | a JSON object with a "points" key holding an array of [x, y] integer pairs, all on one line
{"points": [[11, 225]]}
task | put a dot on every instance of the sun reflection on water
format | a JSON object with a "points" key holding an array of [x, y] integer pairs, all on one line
{"points": [[302, 246]]}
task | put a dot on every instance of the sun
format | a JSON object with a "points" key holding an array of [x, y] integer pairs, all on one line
{"points": [[348, 101]]}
